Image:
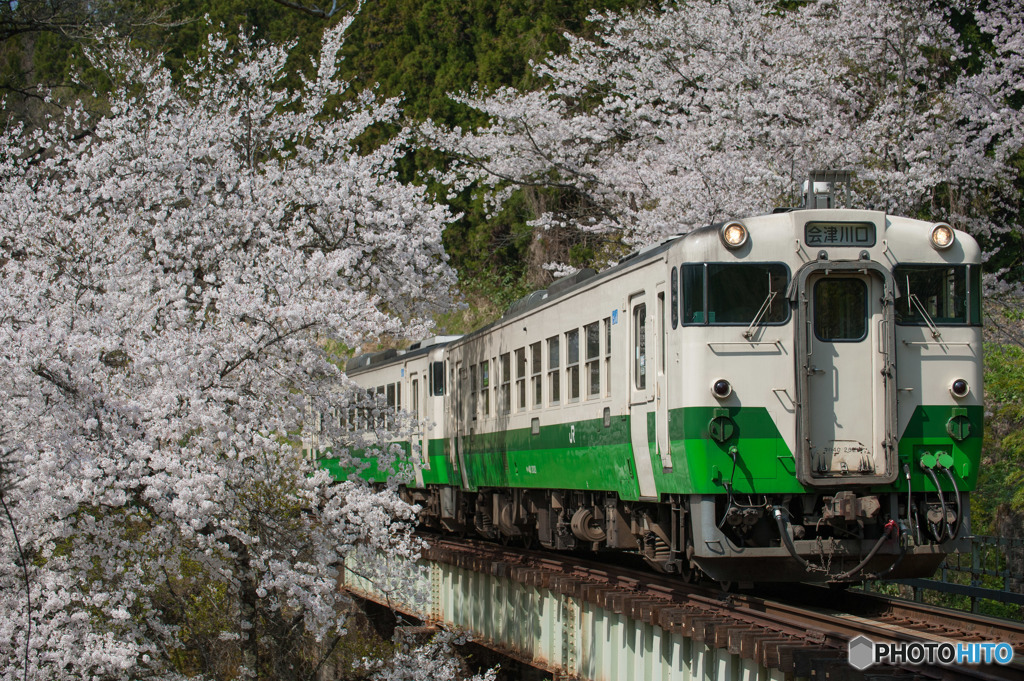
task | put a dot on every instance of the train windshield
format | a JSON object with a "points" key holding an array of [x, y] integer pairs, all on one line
{"points": [[734, 293], [938, 294]]}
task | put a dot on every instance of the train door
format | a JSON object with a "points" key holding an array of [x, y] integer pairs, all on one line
{"points": [[418, 440], [847, 385], [661, 383], [458, 385], [642, 331]]}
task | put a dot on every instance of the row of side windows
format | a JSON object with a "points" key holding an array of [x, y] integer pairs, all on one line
{"points": [[374, 408], [566, 368]]}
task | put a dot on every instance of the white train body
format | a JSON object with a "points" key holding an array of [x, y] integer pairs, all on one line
{"points": [[804, 403]]}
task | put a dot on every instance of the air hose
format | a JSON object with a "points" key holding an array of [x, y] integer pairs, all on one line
{"points": [[939, 537], [788, 542], [886, 534], [959, 511]]}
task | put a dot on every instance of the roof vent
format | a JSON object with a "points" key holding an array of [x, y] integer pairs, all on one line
{"points": [[560, 286], [527, 302]]}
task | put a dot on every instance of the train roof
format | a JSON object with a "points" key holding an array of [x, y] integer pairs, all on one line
{"points": [[558, 289], [583, 278], [372, 360]]}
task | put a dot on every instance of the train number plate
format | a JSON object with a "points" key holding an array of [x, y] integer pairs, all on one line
{"points": [[839, 234]]}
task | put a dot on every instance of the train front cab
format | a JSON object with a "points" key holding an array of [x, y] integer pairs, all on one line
{"points": [[879, 422]]}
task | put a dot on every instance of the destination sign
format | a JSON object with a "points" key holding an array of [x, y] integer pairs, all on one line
{"points": [[839, 234]]}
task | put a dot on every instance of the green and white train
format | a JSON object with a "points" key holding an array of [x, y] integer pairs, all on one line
{"points": [[793, 396]]}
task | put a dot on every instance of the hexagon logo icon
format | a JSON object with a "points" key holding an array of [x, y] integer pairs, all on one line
{"points": [[862, 652]]}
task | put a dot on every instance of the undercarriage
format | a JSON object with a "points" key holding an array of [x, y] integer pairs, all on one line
{"points": [[837, 537]]}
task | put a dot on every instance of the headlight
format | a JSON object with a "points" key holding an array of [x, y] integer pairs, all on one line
{"points": [[942, 236], [734, 234], [721, 389], [960, 388]]}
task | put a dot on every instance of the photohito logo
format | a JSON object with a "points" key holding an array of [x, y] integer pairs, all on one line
{"points": [[864, 652]]}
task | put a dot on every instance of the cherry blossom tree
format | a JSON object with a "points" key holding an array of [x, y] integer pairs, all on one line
{"points": [[436, 659], [708, 109], [173, 276], [993, 96]]}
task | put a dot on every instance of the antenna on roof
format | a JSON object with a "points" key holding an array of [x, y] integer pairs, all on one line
{"points": [[822, 188]]}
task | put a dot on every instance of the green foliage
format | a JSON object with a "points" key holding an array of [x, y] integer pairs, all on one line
{"points": [[1002, 474], [997, 506], [1004, 375], [427, 49], [422, 52]]}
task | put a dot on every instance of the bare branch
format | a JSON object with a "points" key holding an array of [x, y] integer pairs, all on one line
{"points": [[312, 10]]}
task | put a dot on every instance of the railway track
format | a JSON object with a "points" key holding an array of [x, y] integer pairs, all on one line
{"points": [[805, 630]]}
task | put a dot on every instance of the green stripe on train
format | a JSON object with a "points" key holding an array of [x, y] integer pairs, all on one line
{"points": [[587, 455], [928, 432], [584, 455], [376, 464], [365, 464], [764, 463]]}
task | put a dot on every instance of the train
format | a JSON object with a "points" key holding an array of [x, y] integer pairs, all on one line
{"points": [[794, 396]]}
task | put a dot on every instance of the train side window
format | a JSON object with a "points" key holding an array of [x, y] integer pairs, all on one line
{"points": [[554, 392], [521, 379], [693, 294], [379, 406], [436, 378], [572, 364], [504, 394], [974, 294], [660, 333], [473, 391], [607, 356], [460, 393], [416, 398], [495, 388], [593, 336], [485, 387], [675, 299], [840, 309], [536, 375], [640, 346], [392, 403]]}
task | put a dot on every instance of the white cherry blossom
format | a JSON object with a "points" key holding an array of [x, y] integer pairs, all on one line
{"points": [[173, 277], [708, 110]]}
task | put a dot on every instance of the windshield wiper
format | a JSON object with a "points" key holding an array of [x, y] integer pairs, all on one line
{"points": [[924, 313], [765, 306], [927, 317]]}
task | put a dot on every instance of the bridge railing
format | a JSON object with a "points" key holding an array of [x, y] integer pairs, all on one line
{"points": [[989, 579]]}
